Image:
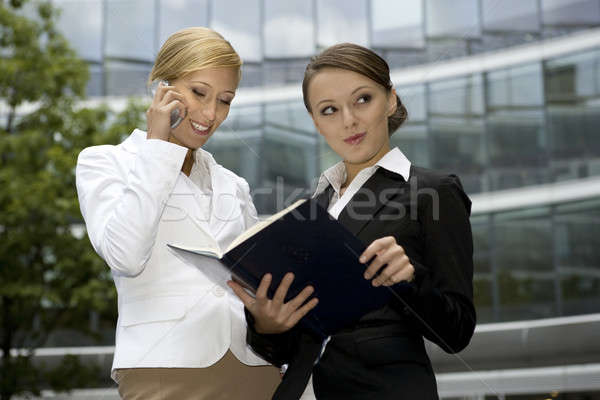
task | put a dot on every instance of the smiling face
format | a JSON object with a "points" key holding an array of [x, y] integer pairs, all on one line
{"points": [[351, 112], [208, 94]]}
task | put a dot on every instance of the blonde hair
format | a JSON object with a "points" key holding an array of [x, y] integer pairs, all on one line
{"points": [[193, 49]]}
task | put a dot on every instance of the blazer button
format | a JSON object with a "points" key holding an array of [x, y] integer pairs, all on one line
{"points": [[218, 291]]}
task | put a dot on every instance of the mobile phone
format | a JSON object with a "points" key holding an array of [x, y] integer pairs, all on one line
{"points": [[176, 118]]}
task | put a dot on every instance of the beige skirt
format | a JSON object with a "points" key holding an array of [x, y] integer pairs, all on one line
{"points": [[227, 379]]}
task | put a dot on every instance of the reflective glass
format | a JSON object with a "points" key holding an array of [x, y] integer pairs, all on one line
{"points": [[292, 117], [412, 137], [289, 29], [573, 78], [573, 114], [130, 29], [456, 129], [390, 30], [238, 151], [577, 249], [126, 79], [179, 14], [526, 277], [511, 15], [567, 12], [514, 87], [81, 23], [342, 21], [482, 297], [240, 23], [95, 86], [458, 18], [522, 240]]}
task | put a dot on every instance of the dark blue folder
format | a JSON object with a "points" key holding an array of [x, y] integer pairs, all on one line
{"points": [[320, 252]]}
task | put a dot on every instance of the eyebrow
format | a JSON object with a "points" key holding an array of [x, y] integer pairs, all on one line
{"points": [[354, 91], [207, 84]]}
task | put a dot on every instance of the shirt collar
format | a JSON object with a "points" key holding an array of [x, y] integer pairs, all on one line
{"points": [[393, 161]]}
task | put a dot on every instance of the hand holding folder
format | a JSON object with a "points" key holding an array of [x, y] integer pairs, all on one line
{"points": [[305, 240]]}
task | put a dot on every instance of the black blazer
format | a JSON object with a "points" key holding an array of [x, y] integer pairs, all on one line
{"points": [[383, 356]]}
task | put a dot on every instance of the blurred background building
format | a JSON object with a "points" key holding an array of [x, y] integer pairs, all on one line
{"points": [[504, 93]]}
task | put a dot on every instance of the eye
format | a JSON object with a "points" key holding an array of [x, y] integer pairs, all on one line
{"points": [[328, 110], [365, 98], [198, 93], [226, 101]]}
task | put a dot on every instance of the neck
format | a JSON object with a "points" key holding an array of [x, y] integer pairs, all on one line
{"points": [[352, 169], [186, 168]]}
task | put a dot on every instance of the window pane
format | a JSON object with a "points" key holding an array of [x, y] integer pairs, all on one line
{"points": [[559, 12], [285, 23], [125, 79], [458, 18], [511, 15], [456, 129], [81, 23], [127, 37], [342, 21], [292, 117], [513, 87], [573, 114], [238, 151], [95, 84], [573, 78], [239, 22], [179, 14], [524, 263], [397, 24]]}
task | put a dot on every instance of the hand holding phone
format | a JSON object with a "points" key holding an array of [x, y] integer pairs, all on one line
{"points": [[176, 116]]}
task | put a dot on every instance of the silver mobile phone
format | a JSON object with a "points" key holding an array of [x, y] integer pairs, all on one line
{"points": [[176, 118]]}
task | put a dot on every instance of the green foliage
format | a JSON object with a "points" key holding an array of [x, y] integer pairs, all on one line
{"points": [[50, 276]]}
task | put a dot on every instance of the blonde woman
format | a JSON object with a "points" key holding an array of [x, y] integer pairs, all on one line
{"points": [[180, 334]]}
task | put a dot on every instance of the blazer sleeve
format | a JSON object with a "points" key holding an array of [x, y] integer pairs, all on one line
{"points": [[278, 349], [440, 299], [121, 203]]}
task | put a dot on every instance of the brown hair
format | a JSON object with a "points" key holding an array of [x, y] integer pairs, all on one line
{"points": [[355, 58]]}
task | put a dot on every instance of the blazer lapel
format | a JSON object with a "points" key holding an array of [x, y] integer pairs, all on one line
{"points": [[366, 203]]}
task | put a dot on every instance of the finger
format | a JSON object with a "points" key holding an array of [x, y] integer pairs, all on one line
{"points": [[170, 96], [283, 288], [386, 273], [384, 257], [375, 247], [407, 273], [301, 312], [161, 89], [241, 294], [263, 287], [301, 298]]}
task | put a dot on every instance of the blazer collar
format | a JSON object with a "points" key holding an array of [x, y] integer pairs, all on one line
{"points": [[394, 161], [134, 141], [367, 202]]}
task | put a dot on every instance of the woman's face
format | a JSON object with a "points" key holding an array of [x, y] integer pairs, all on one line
{"points": [[351, 112], [208, 94]]}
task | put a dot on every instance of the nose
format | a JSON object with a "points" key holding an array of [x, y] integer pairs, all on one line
{"points": [[348, 117], [209, 110]]}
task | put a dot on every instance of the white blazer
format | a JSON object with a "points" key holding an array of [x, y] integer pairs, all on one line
{"points": [[174, 310]]}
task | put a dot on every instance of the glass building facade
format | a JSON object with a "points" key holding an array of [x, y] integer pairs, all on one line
{"points": [[512, 128]]}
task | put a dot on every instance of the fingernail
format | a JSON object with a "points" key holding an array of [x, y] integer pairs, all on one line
{"points": [[362, 259], [375, 283], [367, 276]]}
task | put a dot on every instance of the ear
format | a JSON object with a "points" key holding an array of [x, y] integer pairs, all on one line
{"points": [[392, 102]]}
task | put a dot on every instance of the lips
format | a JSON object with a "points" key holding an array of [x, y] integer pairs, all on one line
{"points": [[199, 128], [355, 139]]}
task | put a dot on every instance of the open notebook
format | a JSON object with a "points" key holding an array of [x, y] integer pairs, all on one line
{"points": [[306, 240]]}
